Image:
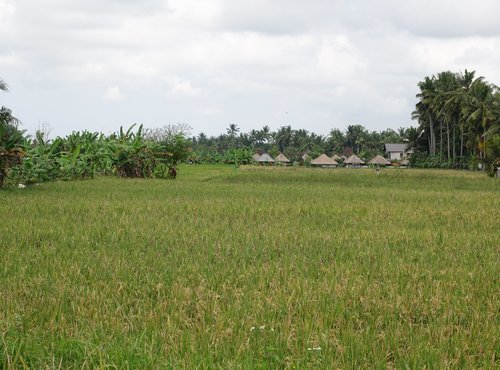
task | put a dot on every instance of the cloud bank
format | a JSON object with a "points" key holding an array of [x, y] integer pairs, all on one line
{"points": [[100, 65]]}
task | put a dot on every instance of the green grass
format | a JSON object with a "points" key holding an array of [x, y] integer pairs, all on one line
{"points": [[397, 270]]}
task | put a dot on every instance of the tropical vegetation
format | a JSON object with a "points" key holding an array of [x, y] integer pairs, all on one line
{"points": [[293, 143], [458, 116], [11, 139]]}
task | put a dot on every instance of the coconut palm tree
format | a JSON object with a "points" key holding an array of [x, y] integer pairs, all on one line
{"points": [[484, 111], [457, 105], [424, 112], [232, 130], [335, 141], [3, 86], [11, 143], [445, 82], [354, 137], [266, 133], [283, 137]]}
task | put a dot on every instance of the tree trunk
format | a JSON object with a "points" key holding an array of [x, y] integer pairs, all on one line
{"points": [[448, 140], [432, 147], [484, 148], [440, 136], [454, 141], [462, 143]]}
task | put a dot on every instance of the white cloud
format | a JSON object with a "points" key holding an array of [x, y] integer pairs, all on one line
{"points": [[327, 62], [6, 9], [113, 93], [181, 87]]}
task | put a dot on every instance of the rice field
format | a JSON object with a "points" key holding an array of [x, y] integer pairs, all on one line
{"points": [[253, 268]]}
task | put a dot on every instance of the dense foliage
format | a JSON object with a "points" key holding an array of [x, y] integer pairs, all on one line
{"points": [[293, 143], [85, 154], [458, 118], [11, 139]]}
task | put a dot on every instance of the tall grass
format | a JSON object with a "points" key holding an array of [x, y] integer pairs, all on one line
{"points": [[253, 267]]}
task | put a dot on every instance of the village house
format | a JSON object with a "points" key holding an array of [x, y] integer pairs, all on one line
{"points": [[397, 151]]}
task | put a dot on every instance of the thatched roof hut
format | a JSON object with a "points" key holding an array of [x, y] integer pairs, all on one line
{"points": [[379, 160], [324, 161], [281, 158], [336, 157], [256, 157], [353, 161], [306, 157], [265, 158]]}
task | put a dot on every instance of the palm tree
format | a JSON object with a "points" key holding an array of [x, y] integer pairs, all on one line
{"points": [[283, 137], [245, 140], [446, 82], [3, 86], [232, 130], [336, 141], [485, 108], [11, 139], [354, 137], [301, 140], [424, 110], [11, 143], [457, 105], [266, 133]]}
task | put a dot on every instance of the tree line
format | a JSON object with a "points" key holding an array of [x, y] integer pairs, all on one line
{"points": [[295, 143], [458, 117], [458, 126]]}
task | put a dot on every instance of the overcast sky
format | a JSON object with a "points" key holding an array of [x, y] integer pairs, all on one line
{"points": [[318, 64]]}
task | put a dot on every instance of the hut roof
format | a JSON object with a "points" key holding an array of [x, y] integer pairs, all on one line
{"points": [[282, 158], [256, 156], [378, 159], [353, 159], [336, 157], [306, 157], [395, 148], [404, 162], [265, 158], [323, 159]]}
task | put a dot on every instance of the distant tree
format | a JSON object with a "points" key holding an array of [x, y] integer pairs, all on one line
{"points": [[232, 130], [11, 143], [3, 86], [172, 145], [11, 139], [283, 137], [354, 137], [266, 133], [451, 103], [335, 141], [245, 140]]}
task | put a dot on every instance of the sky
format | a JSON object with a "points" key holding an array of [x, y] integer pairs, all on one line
{"points": [[74, 65]]}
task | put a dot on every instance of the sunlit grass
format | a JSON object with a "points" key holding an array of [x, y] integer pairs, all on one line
{"points": [[331, 268]]}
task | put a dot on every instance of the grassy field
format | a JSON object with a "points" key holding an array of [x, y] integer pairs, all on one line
{"points": [[253, 268]]}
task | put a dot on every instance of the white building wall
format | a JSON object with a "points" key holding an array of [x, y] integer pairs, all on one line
{"points": [[395, 155]]}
